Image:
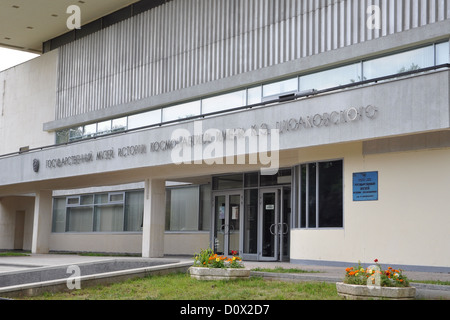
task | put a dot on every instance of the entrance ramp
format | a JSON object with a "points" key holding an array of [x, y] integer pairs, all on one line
{"points": [[31, 279]]}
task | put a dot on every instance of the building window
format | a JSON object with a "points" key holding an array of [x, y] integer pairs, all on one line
{"points": [[442, 53], [134, 211], [436, 54], [181, 111], [224, 102], [280, 87], [188, 208], [331, 78], [226, 182], [144, 119], [103, 212], [319, 195], [59, 215], [398, 63]]}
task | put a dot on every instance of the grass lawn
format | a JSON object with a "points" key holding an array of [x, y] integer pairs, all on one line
{"points": [[13, 254], [181, 287]]}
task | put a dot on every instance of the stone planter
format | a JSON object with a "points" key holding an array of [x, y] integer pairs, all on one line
{"points": [[355, 292], [218, 274]]}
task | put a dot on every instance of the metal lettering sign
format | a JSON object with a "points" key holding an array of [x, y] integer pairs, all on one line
{"points": [[365, 186]]}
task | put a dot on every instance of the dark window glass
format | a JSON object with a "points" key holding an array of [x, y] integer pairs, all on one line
{"points": [[312, 195], [251, 221], [330, 194], [321, 195], [206, 203], [251, 179], [303, 197], [234, 181], [282, 177]]}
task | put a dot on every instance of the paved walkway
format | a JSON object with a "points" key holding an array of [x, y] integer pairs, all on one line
{"points": [[330, 274]]}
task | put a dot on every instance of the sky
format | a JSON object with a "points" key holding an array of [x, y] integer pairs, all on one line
{"points": [[10, 58]]}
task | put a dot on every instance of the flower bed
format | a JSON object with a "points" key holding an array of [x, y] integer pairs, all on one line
{"points": [[210, 266], [200, 273], [375, 275], [375, 283], [360, 292], [208, 259]]}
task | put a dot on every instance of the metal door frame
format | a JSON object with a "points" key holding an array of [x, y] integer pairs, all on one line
{"points": [[273, 229], [226, 226], [279, 229]]}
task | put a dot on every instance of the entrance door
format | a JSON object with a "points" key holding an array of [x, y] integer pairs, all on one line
{"points": [[228, 208], [274, 224]]}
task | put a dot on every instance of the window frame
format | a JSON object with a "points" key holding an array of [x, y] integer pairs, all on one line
{"points": [[297, 197], [78, 204], [201, 228], [73, 204]]}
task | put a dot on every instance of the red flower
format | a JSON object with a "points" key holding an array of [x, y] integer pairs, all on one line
{"points": [[376, 260]]}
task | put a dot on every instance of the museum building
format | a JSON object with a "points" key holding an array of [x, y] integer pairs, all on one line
{"points": [[304, 131]]}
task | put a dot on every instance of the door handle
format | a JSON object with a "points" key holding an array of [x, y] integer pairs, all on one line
{"points": [[287, 228], [271, 229]]}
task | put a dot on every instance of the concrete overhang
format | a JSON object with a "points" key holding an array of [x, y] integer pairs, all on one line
{"points": [[26, 25]]}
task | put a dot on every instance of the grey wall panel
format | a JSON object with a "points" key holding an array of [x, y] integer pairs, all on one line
{"points": [[184, 43]]}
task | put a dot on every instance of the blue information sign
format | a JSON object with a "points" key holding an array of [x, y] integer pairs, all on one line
{"points": [[365, 186]]}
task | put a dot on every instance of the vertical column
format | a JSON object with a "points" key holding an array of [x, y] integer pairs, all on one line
{"points": [[42, 222], [154, 219]]}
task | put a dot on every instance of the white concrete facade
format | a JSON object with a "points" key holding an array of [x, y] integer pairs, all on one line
{"points": [[406, 225], [398, 128]]}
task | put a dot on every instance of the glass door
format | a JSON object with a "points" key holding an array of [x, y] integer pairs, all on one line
{"points": [[275, 210], [285, 227], [269, 216], [227, 222]]}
